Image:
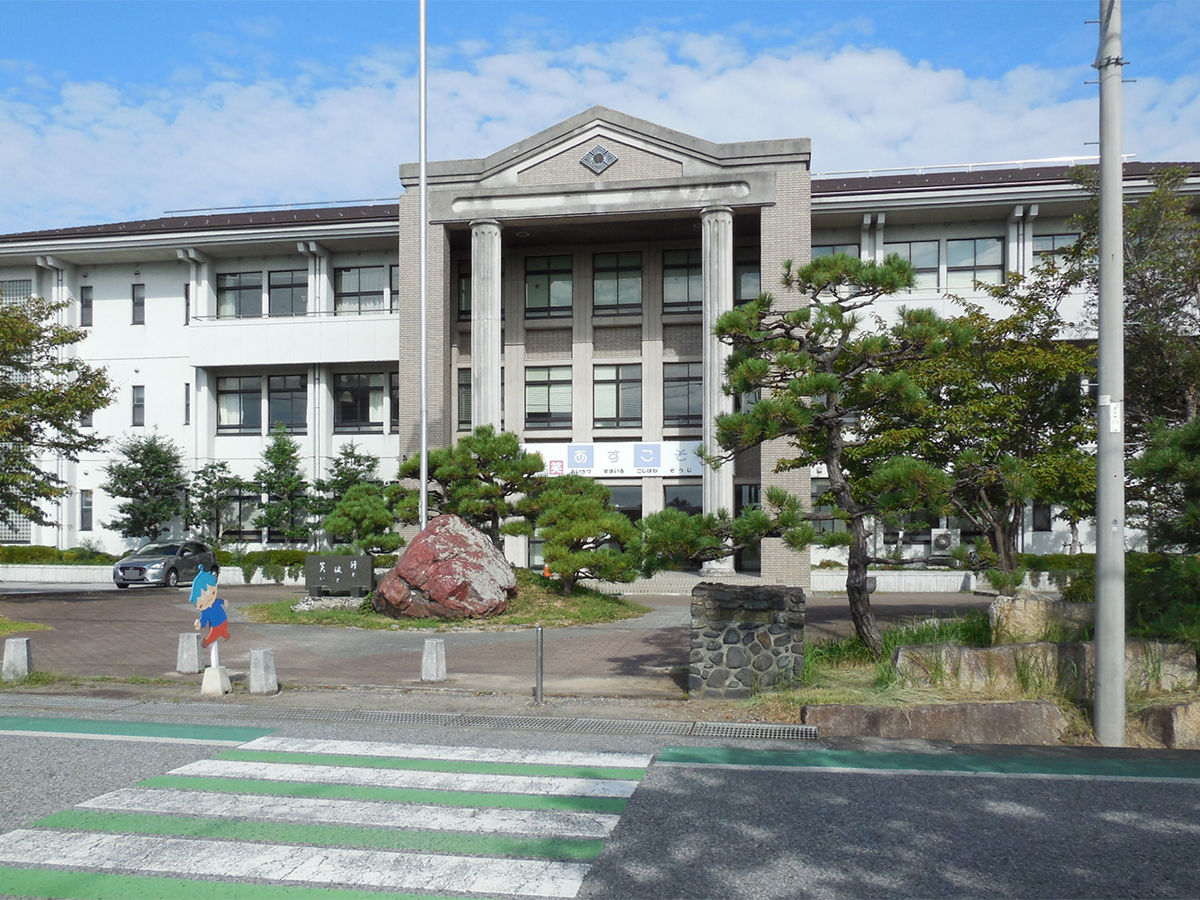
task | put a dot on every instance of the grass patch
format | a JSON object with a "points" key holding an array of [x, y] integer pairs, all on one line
{"points": [[8, 626], [539, 601]]}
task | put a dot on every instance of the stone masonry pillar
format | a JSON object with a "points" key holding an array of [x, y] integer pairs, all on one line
{"points": [[486, 336], [717, 262]]}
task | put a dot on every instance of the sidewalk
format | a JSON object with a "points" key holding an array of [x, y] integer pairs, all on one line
{"points": [[134, 634]]}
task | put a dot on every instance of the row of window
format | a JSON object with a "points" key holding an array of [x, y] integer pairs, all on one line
{"points": [[616, 396], [358, 402], [617, 283], [968, 260], [357, 290]]}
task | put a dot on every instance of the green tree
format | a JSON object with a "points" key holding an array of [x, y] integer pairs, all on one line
{"points": [[349, 467], [1161, 299], [1172, 461], [486, 478], [150, 479], [44, 394], [281, 479], [583, 536], [213, 487], [822, 378], [1007, 416], [364, 518]]}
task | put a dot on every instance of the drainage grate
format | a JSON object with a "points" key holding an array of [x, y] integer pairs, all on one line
{"points": [[66, 702], [744, 730], [524, 723], [629, 726]]}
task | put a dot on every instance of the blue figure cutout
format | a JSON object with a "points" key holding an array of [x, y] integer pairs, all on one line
{"points": [[212, 608]]}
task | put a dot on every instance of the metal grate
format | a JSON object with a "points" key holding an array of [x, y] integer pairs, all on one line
{"points": [[37, 700], [629, 726], [524, 723], [745, 730]]}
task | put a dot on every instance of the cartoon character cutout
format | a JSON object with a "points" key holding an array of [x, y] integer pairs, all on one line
{"points": [[212, 608]]}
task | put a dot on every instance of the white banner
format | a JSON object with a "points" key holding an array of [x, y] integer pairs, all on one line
{"points": [[621, 459]]}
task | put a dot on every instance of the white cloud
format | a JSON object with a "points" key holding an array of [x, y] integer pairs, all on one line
{"points": [[77, 153]]}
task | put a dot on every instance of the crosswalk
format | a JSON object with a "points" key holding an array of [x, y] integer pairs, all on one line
{"points": [[297, 818]]}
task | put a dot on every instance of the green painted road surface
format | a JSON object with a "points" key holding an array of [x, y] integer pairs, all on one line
{"points": [[298, 818], [102, 729]]}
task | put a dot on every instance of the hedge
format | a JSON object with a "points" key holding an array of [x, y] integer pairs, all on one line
{"points": [[35, 554]]}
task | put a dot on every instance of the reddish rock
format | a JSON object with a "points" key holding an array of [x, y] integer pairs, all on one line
{"points": [[451, 571]]}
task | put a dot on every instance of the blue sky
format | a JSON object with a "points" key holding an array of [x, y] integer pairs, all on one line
{"points": [[118, 110]]}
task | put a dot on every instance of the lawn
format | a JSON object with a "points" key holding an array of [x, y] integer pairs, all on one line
{"points": [[539, 601]]}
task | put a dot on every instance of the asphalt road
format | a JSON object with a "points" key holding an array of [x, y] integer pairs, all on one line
{"points": [[767, 819]]}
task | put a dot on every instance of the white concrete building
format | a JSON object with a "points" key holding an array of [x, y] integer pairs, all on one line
{"points": [[573, 279]]}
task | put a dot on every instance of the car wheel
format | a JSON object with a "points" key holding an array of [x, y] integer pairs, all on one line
{"points": [[122, 586], [172, 578]]}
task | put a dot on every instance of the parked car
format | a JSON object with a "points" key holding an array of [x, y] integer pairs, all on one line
{"points": [[165, 563]]}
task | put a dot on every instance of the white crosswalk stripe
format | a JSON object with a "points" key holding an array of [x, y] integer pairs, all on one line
{"points": [[258, 816], [361, 813]]}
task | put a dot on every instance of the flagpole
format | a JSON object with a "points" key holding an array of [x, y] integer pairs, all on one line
{"points": [[423, 227]]}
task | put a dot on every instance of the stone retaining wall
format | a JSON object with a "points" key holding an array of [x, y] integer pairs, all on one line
{"points": [[744, 638]]}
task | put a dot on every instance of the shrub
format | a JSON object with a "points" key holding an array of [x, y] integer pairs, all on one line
{"points": [[36, 554]]}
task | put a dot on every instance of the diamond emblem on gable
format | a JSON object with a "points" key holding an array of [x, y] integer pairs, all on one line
{"points": [[598, 159]]}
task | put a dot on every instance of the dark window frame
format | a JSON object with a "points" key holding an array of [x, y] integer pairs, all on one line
{"points": [[620, 264], [922, 272], [618, 381], [244, 290], [86, 500], [693, 378], [549, 267], [463, 389], [746, 262], [86, 306], [282, 301], [279, 390], [342, 305], [549, 418], [690, 268], [244, 392], [356, 395], [138, 394], [975, 268], [138, 296]]}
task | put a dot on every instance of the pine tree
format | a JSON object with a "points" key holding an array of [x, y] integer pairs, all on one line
{"points": [[213, 488], [583, 536], [150, 477], [280, 478]]}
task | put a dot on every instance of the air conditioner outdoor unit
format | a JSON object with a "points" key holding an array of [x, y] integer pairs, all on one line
{"points": [[944, 540]]}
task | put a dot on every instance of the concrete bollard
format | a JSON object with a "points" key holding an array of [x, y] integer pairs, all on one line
{"points": [[433, 660], [187, 659], [18, 659], [216, 679], [262, 672]]}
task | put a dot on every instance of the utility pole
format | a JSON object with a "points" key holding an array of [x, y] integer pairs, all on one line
{"points": [[1109, 708], [423, 327]]}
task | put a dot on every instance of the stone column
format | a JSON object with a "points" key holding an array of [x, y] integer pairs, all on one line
{"points": [[486, 335], [717, 260]]}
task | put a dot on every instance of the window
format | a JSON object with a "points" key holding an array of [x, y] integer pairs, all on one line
{"points": [[85, 306], [617, 284], [243, 510], [924, 256], [187, 303], [85, 510], [547, 286], [394, 289], [394, 398], [1042, 516], [823, 518], [1053, 244], [464, 290], [358, 291], [187, 403], [683, 395], [85, 419], [686, 497], [749, 558], [287, 402], [683, 282], [464, 399], [239, 404], [139, 404], [359, 402], [15, 291], [548, 397], [834, 249], [239, 295], [747, 280], [139, 304], [627, 499], [287, 292], [978, 259], [617, 396]]}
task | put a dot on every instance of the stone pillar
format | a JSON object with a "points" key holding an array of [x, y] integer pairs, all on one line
{"points": [[188, 658], [18, 659], [433, 659], [717, 260], [486, 335], [262, 671]]}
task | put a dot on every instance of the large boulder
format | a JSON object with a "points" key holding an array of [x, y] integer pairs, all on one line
{"points": [[450, 570]]}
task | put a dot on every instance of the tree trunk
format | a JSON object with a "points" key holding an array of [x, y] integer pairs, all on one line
{"points": [[856, 589]]}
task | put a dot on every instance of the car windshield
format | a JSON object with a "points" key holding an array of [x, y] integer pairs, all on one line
{"points": [[158, 550]]}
